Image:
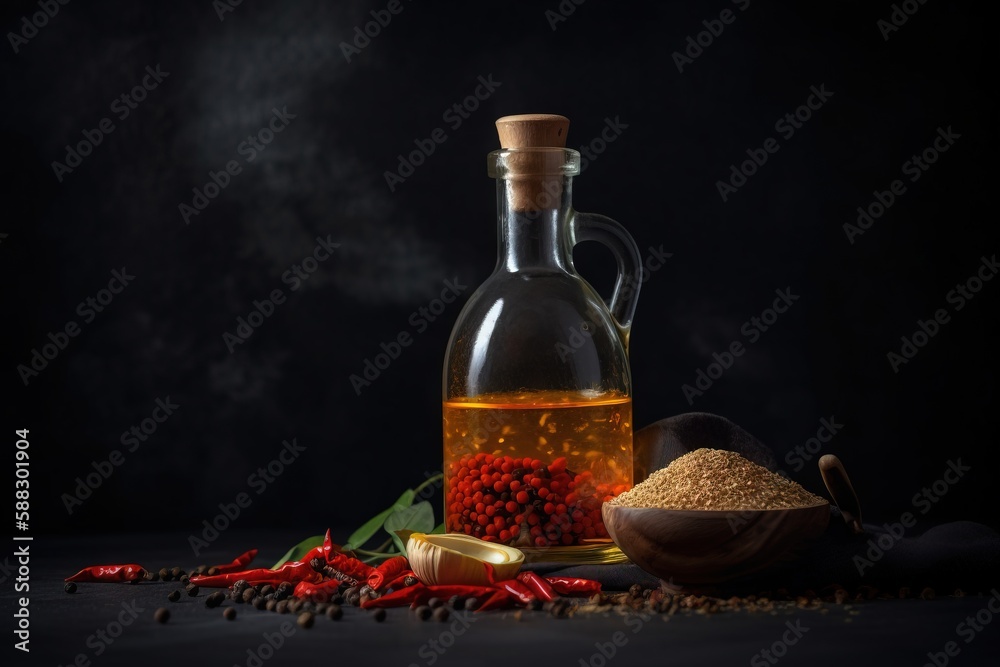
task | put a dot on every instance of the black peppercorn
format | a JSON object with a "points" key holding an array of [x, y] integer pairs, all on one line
{"points": [[334, 612], [229, 614], [174, 596], [305, 619], [379, 615], [70, 587], [192, 590], [441, 614], [161, 615], [423, 612]]}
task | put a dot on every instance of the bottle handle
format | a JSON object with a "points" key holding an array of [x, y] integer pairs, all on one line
{"points": [[611, 234]]}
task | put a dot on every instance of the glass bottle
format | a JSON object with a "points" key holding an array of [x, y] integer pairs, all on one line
{"points": [[537, 387]]}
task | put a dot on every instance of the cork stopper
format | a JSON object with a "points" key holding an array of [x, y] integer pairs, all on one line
{"points": [[533, 130], [534, 177]]}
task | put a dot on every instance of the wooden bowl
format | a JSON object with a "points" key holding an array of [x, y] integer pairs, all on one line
{"points": [[706, 547]]}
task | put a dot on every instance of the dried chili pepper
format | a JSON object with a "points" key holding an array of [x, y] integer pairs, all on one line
{"points": [[497, 599], [516, 589], [400, 598], [400, 580], [352, 567], [317, 592], [239, 563], [291, 572], [324, 552], [388, 570], [574, 586], [537, 585], [109, 573]]}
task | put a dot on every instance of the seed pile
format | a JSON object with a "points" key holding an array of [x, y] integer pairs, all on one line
{"points": [[716, 479]]}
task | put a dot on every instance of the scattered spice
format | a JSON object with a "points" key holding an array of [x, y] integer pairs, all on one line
{"points": [[161, 615], [379, 615], [174, 595], [334, 612], [229, 613], [192, 591], [305, 620], [716, 479], [70, 587], [441, 614]]}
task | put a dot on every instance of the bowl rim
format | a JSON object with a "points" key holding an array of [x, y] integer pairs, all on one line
{"points": [[722, 513]]}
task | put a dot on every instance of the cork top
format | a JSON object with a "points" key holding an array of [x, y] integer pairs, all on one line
{"points": [[533, 130]]}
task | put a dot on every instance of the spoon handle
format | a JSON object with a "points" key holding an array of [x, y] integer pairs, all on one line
{"points": [[839, 485]]}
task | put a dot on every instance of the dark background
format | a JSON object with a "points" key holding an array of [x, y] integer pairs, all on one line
{"points": [[162, 336]]}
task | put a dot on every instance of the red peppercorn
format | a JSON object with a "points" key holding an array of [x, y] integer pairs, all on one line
{"points": [[511, 506], [522, 497]]}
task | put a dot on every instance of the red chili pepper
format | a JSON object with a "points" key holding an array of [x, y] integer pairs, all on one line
{"points": [[109, 573], [352, 567], [239, 563], [321, 592], [388, 570], [498, 599], [315, 552], [517, 589], [571, 586], [400, 598], [400, 581], [329, 548], [293, 572], [537, 585]]}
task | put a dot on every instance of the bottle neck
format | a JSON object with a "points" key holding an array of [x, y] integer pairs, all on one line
{"points": [[533, 225]]}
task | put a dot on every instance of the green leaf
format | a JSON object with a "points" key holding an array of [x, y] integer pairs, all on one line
{"points": [[438, 529], [417, 518], [367, 531], [299, 550]]}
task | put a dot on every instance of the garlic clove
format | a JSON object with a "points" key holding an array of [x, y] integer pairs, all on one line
{"points": [[459, 559]]}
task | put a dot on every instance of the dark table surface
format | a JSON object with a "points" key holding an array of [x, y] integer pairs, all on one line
{"points": [[66, 629]]}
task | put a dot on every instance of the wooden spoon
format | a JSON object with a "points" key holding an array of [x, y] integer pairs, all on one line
{"points": [[840, 488]]}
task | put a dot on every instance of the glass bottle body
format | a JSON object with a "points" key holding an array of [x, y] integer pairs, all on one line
{"points": [[537, 405]]}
